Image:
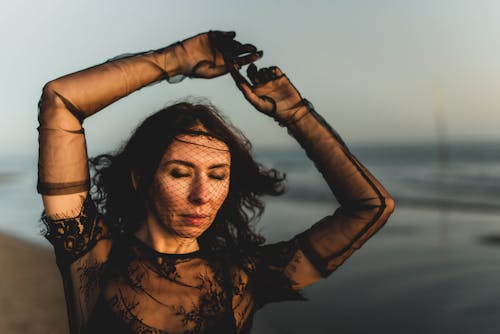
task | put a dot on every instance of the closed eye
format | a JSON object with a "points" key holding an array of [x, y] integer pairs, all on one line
{"points": [[178, 174], [218, 177]]}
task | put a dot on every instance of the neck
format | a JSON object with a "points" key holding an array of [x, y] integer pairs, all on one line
{"points": [[161, 240]]}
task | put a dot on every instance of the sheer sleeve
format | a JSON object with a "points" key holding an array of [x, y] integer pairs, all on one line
{"points": [[317, 252], [365, 204], [67, 101]]}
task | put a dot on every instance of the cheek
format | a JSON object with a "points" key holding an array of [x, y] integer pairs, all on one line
{"points": [[169, 193], [219, 193]]}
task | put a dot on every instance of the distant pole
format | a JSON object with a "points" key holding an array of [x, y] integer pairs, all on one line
{"points": [[442, 160], [441, 128]]}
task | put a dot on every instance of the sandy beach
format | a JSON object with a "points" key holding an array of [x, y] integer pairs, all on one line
{"points": [[31, 290]]}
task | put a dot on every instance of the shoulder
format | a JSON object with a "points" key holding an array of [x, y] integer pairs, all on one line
{"points": [[260, 270], [253, 258], [74, 236]]}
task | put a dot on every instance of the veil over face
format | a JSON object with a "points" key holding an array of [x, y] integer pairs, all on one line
{"points": [[190, 185]]}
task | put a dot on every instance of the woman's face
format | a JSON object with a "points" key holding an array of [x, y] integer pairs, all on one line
{"points": [[190, 185]]}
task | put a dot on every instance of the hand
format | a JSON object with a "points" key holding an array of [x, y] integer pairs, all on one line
{"points": [[270, 91], [207, 55]]}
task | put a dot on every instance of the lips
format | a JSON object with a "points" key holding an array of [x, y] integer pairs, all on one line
{"points": [[195, 215], [195, 219]]}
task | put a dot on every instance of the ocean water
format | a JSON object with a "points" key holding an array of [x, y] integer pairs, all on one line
{"points": [[462, 176], [434, 267], [20, 205]]}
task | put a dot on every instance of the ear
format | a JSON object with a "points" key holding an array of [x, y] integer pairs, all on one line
{"points": [[134, 178]]}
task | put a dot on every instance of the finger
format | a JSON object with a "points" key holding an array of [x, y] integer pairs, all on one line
{"points": [[241, 82], [247, 59], [276, 71], [225, 34], [240, 50], [264, 75], [245, 48], [252, 74], [246, 88], [228, 34]]}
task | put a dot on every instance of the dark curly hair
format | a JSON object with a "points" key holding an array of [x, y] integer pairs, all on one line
{"points": [[125, 206]]}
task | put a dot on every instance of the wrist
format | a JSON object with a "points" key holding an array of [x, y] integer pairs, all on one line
{"points": [[294, 113], [172, 60]]}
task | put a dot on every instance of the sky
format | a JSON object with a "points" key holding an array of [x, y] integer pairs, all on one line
{"points": [[378, 71]]}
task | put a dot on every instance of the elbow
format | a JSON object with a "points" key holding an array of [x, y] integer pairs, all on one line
{"points": [[54, 110], [50, 91], [47, 101], [383, 204], [378, 208], [49, 87], [389, 205], [53, 93]]}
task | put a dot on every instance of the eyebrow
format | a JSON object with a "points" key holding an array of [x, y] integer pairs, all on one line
{"points": [[190, 164]]}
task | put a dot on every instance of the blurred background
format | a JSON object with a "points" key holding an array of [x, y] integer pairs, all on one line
{"points": [[411, 86]]}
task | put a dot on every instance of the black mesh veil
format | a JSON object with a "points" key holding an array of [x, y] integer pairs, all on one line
{"points": [[157, 278]]}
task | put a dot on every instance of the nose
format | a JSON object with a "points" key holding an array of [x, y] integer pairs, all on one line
{"points": [[199, 192]]}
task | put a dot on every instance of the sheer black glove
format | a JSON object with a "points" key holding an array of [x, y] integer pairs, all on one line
{"points": [[270, 91], [207, 55]]}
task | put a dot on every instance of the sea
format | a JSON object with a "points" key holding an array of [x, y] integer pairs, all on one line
{"points": [[463, 176], [434, 267]]}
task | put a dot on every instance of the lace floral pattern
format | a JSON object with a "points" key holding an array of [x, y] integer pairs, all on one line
{"points": [[189, 293], [73, 237], [90, 275]]}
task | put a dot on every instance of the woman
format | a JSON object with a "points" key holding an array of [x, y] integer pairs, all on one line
{"points": [[164, 245]]}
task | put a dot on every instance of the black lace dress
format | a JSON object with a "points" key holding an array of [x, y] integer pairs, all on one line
{"points": [[135, 289], [114, 283]]}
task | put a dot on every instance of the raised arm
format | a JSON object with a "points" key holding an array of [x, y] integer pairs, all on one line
{"points": [[365, 204], [63, 177]]}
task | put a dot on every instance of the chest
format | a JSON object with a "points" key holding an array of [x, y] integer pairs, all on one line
{"points": [[161, 295]]}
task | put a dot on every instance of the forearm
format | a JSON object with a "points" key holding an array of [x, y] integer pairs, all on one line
{"points": [[67, 101], [85, 92], [365, 204]]}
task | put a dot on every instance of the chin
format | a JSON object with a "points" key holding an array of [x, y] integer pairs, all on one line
{"points": [[190, 231]]}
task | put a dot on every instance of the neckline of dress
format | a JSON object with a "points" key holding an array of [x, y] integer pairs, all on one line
{"points": [[147, 248]]}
